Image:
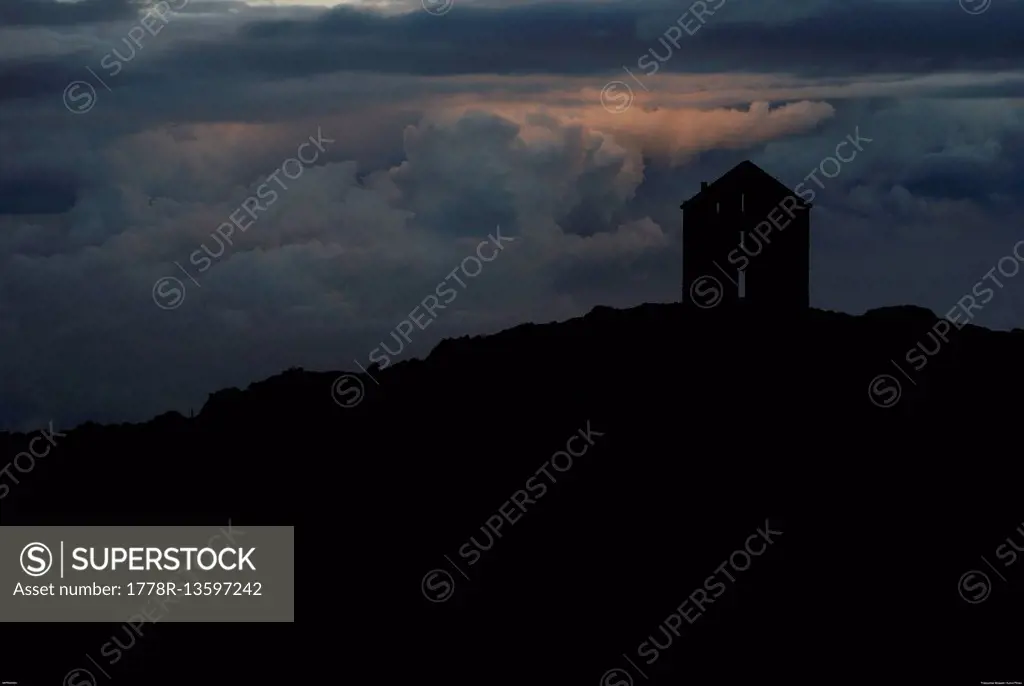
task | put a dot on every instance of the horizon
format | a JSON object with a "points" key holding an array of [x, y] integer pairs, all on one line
{"points": [[192, 413]]}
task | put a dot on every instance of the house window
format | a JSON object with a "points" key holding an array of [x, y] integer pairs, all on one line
{"points": [[718, 208], [742, 202], [741, 278]]}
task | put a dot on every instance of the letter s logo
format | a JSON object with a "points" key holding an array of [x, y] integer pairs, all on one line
{"points": [[33, 552], [624, 679]]}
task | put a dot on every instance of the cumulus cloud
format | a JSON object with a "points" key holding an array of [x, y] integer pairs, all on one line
{"points": [[444, 129]]}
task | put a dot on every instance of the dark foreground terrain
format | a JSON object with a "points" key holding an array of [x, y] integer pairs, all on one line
{"points": [[441, 540]]}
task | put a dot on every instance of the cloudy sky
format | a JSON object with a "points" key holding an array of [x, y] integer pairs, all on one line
{"points": [[129, 135]]}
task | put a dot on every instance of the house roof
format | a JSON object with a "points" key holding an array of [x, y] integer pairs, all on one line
{"points": [[746, 174]]}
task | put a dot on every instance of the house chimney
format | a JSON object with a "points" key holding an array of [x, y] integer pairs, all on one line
{"points": [[703, 186]]}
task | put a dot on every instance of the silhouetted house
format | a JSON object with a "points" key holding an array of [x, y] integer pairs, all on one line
{"points": [[752, 234]]}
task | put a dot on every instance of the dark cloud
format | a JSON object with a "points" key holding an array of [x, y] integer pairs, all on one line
{"points": [[989, 170], [444, 129], [54, 13], [870, 37], [36, 194], [36, 78], [857, 37]]}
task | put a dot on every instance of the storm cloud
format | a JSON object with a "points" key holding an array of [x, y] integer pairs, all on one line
{"points": [[117, 167]]}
